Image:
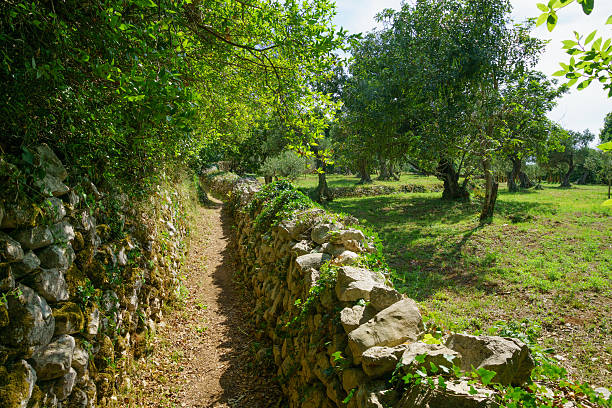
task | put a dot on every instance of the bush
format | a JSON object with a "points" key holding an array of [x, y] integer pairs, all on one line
{"points": [[287, 164]]}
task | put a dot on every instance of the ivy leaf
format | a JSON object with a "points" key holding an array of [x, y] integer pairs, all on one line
{"points": [[472, 390], [485, 375]]}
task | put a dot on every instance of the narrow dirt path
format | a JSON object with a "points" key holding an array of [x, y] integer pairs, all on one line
{"points": [[205, 348]]}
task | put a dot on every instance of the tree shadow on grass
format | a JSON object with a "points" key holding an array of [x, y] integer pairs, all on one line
{"points": [[424, 238]]}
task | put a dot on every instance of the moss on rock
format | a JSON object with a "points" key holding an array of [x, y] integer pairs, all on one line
{"points": [[69, 318]]}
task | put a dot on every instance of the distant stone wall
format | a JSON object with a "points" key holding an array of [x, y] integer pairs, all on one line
{"points": [[78, 302], [337, 331], [368, 190]]}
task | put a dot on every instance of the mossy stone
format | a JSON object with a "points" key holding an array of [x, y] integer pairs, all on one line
{"points": [[4, 316], [75, 278], [105, 356], [36, 400], [69, 318], [16, 385]]}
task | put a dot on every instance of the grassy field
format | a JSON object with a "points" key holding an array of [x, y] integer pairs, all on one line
{"points": [[545, 263], [338, 180]]}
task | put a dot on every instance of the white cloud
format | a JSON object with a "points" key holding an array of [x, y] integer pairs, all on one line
{"points": [[576, 110]]}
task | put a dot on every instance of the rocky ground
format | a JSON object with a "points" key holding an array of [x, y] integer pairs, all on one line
{"points": [[205, 350]]}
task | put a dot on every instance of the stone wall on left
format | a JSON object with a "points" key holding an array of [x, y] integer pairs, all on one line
{"points": [[79, 298]]}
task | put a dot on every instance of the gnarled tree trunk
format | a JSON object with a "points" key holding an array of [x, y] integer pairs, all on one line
{"points": [[452, 189]]}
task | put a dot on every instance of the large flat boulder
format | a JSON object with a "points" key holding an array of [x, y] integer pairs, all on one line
{"points": [[510, 358], [397, 324], [354, 283], [456, 395]]}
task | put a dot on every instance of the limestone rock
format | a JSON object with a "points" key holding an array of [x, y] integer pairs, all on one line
{"points": [[300, 248], [27, 265], [434, 353], [63, 386], [54, 360], [54, 208], [31, 323], [56, 256], [378, 361], [7, 278], [51, 186], [381, 297], [508, 357], [305, 262], [16, 385], [352, 317], [356, 283], [322, 232], [68, 318], [78, 399], [10, 249], [34, 238], [62, 232], [50, 284], [352, 378], [456, 395], [50, 163], [346, 258], [21, 214], [332, 249], [80, 359], [344, 236], [392, 326], [376, 394], [92, 321]]}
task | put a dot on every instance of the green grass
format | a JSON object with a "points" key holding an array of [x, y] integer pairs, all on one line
{"points": [[546, 259], [339, 180]]}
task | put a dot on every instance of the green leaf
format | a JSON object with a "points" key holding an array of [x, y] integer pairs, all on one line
{"points": [[590, 37], [434, 368], [543, 7], [587, 6], [596, 44], [609, 20], [560, 73], [606, 147], [551, 21], [485, 375], [607, 203], [541, 19], [420, 358], [472, 390], [584, 84], [569, 44]]}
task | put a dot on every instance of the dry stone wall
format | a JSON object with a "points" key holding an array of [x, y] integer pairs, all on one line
{"points": [[338, 331], [77, 302]]}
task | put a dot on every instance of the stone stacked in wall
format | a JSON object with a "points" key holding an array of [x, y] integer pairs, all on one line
{"points": [[369, 190], [76, 302], [338, 331]]}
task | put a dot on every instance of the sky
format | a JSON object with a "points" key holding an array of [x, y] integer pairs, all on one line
{"points": [[576, 110]]}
